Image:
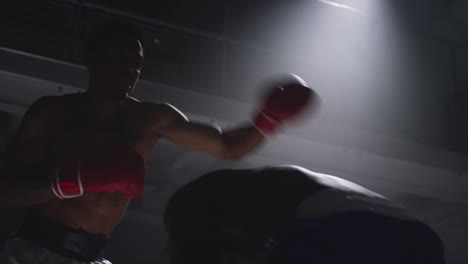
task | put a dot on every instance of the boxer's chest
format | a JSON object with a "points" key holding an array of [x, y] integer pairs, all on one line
{"points": [[81, 126]]}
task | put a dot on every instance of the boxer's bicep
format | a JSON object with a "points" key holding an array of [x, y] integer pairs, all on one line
{"points": [[175, 127], [231, 144]]}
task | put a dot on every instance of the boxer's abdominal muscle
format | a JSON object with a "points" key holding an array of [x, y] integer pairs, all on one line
{"points": [[97, 213]]}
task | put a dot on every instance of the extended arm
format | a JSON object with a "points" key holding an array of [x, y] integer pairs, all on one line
{"points": [[285, 101], [230, 144]]}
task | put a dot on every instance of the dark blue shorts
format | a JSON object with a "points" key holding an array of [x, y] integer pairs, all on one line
{"points": [[356, 238]]}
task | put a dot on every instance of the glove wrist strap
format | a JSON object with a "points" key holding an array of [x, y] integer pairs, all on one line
{"points": [[66, 182], [266, 124]]}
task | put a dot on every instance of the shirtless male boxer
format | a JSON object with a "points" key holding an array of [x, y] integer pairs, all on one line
{"points": [[78, 159], [289, 215]]}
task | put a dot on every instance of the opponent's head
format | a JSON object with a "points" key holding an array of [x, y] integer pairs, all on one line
{"points": [[113, 55], [202, 218], [228, 214]]}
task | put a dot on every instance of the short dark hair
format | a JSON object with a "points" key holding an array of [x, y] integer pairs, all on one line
{"points": [[104, 33]]}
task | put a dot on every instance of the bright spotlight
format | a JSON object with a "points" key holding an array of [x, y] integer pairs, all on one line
{"points": [[341, 6]]}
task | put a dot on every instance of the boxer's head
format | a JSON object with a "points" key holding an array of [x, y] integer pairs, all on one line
{"points": [[113, 55]]}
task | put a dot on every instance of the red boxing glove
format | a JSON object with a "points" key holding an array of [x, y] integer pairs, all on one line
{"points": [[121, 170], [284, 102]]}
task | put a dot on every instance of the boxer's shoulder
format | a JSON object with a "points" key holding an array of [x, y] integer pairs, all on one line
{"points": [[50, 113], [55, 102], [45, 103], [155, 105], [46, 108], [132, 101], [163, 111]]}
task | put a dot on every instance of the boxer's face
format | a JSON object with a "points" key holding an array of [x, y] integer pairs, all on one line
{"points": [[115, 69]]}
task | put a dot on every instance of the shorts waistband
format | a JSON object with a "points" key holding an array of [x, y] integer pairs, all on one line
{"points": [[73, 243]]}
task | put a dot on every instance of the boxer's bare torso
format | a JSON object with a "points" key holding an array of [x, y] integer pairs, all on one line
{"points": [[71, 128]]}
